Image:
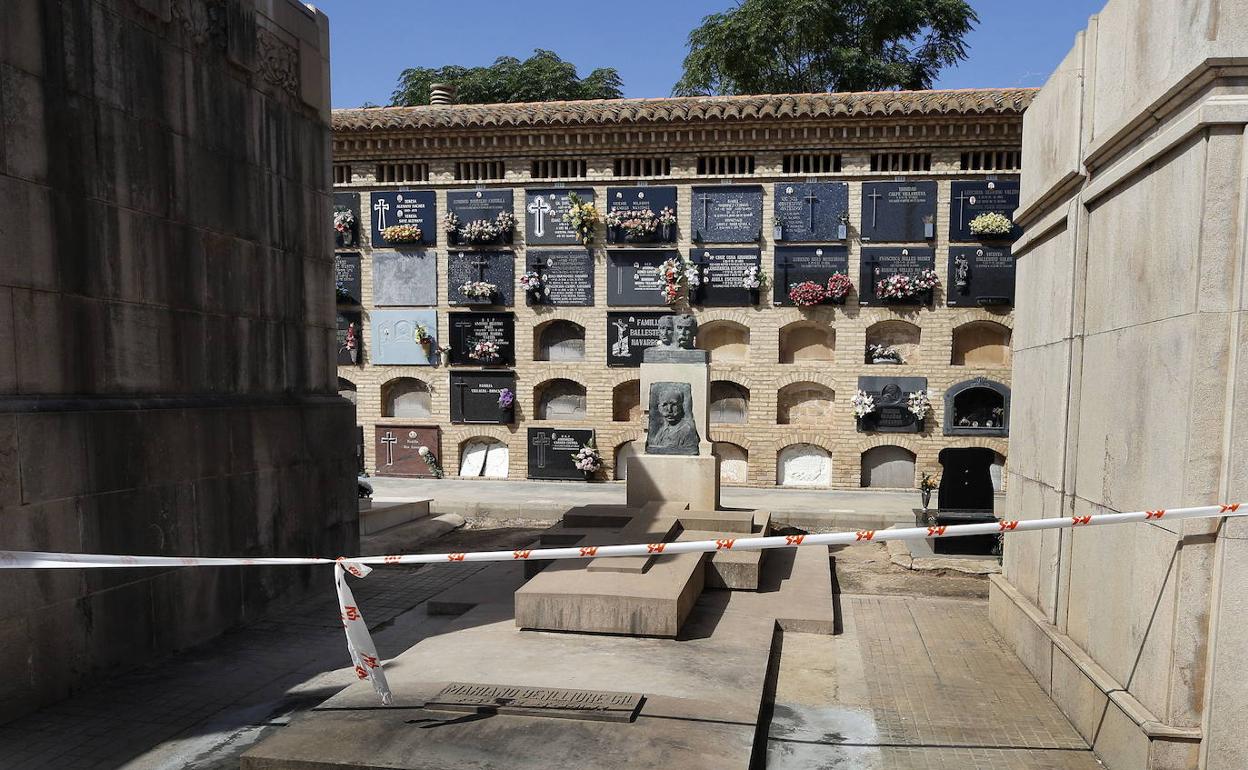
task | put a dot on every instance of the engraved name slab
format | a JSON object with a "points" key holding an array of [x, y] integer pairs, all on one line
{"points": [[597, 705]]}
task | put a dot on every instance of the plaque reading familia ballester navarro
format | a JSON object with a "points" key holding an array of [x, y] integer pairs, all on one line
{"points": [[596, 705]]}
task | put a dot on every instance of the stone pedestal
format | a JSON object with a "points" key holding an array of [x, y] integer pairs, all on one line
{"points": [[674, 478], [698, 375]]}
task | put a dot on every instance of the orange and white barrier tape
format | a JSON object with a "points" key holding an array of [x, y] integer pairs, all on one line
{"points": [[360, 643]]}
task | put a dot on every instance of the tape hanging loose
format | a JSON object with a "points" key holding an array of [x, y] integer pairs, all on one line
{"points": [[363, 652]]}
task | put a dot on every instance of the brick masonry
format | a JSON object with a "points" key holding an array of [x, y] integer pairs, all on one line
{"points": [[946, 137]]}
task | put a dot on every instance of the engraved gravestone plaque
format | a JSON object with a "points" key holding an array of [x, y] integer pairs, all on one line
{"points": [[551, 451], [405, 278], [640, 199], [968, 200], [724, 271], [811, 212], [633, 277], [880, 262], [480, 206], [347, 278], [898, 211], [980, 275], [543, 215], [798, 264], [596, 705], [468, 268], [404, 207], [892, 406], [629, 335], [567, 277], [346, 220], [468, 329], [727, 214]]}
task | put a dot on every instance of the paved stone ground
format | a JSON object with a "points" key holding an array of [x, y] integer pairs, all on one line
{"points": [[547, 500]]}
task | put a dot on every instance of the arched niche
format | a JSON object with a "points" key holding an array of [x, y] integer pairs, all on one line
{"points": [[346, 389], [890, 467], [903, 336], [560, 340], [560, 399], [981, 343], [805, 403], [978, 407], [734, 462], [804, 465], [727, 340], [803, 341], [626, 401], [622, 453], [729, 402], [406, 397], [483, 457]]}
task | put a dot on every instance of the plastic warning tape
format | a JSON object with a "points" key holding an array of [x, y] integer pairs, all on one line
{"points": [[363, 652]]}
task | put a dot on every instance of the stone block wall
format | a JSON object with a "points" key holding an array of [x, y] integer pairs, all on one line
{"points": [[756, 366], [166, 324], [1127, 367]]}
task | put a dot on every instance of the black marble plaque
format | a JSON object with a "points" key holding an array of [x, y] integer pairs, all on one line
{"points": [[349, 236], [879, 262], [471, 205], [474, 397], [467, 329], [892, 412], [633, 277], [551, 451], [898, 211], [628, 336], [347, 278], [968, 200], [543, 215], [654, 199], [980, 275], [811, 212], [567, 277], [723, 272], [496, 267], [727, 214], [350, 344], [796, 264], [405, 207]]}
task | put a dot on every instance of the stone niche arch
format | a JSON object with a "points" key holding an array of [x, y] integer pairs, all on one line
{"points": [[981, 343], [978, 407], [559, 340], [727, 340], [888, 466], [406, 397], [559, 399], [804, 465], [346, 389], [623, 451], [734, 462], [729, 402], [626, 401], [805, 403], [902, 335], [807, 340], [483, 457]]}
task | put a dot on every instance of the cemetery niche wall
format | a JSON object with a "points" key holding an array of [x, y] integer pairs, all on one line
{"points": [[746, 207]]}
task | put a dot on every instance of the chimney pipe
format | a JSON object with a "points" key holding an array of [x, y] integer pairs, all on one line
{"points": [[441, 93]]}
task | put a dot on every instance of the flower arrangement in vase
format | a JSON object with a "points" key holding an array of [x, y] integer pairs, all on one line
{"points": [[587, 460], [485, 351], [431, 460], [839, 287], [919, 404], [532, 284], [481, 291], [680, 278], [863, 404], [583, 217], [926, 485], [991, 224], [402, 234], [883, 354], [807, 293], [900, 286], [344, 224], [422, 335]]}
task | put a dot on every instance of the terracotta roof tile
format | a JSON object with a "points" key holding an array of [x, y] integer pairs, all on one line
{"points": [[687, 109]]}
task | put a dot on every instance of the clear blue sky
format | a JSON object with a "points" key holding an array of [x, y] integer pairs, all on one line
{"points": [[1017, 42]]}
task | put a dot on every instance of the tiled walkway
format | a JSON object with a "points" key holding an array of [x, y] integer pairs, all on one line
{"points": [[202, 708], [915, 683]]}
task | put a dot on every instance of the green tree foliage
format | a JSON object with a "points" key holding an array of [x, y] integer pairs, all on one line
{"points": [[543, 77], [808, 46]]}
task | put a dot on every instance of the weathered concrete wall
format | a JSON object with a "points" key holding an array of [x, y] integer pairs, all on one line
{"points": [[1127, 364], [166, 323]]}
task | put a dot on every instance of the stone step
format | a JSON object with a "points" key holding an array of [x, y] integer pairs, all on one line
{"points": [[380, 516]]}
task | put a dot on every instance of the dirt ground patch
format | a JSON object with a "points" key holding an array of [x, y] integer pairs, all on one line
{"points": [[865, 569]]}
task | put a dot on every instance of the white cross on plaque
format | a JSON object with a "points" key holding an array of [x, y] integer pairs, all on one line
{"points": [[963, 198], [541, 441], [874, 196], [538, 209], [381, 207], [389, 440]]}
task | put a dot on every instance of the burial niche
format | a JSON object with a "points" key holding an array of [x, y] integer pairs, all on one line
{"points": [[978, 407], [560, 341], [727, 340], [888, 466], [483, 457], [981, 343], [804, 465], [560, 399], [734, 462], [626, 401], [622, 453], [406, 397], [901, 336], [346, 389], [804, 403], [807, 341], [729, 402]]}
